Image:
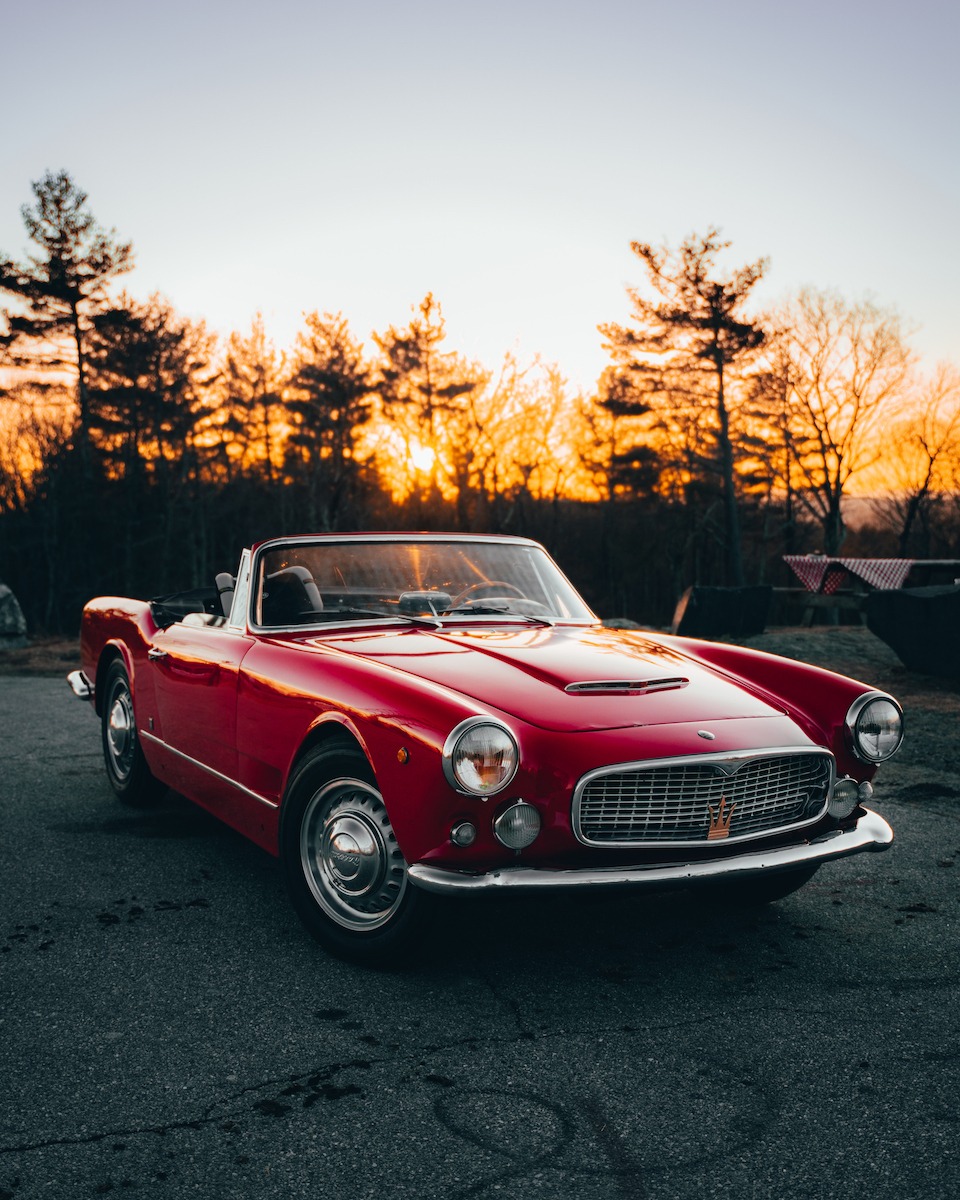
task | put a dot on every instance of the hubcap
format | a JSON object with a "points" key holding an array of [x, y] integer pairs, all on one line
{"points": [[121, 737], [349, 855]]}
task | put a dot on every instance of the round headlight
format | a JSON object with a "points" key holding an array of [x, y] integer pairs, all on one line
{"points": [[875, 725], [480, 756]]}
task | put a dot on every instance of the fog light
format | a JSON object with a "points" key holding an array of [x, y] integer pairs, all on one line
{"points": [[518, 826], [463, 834], [866, 791], [846, 796]]}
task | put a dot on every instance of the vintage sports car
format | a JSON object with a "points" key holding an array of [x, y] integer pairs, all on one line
{"points": [[405, 716]]}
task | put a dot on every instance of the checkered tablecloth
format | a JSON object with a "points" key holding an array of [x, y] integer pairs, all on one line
{"points": [[818, 573]]}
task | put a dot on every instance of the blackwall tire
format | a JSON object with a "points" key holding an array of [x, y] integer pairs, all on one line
{"points": [[344, 870], [123, 758]]}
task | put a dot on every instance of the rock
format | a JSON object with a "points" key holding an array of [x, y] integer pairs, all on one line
{"points": [[13, 628]]}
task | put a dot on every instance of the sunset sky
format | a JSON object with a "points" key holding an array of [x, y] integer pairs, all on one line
{"points": [[293, 155]]}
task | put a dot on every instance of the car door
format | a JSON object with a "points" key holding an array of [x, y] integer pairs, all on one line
{"points": [[195, 669]]}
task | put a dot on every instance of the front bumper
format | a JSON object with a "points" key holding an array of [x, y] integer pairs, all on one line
{"points": [[871, 832], [80, 685]]}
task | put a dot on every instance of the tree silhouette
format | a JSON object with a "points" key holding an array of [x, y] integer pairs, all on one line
{"points": [[63, 285], [676, 358], [836, 373], [329, 399], [147, 370], [251, 384], [419, 383], [927, 465]]}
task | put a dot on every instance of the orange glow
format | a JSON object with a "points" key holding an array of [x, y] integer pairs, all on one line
{"points": [[422, 458]]}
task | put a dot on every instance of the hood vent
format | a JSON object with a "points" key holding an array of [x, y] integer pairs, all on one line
{"points": [[625, 687]]}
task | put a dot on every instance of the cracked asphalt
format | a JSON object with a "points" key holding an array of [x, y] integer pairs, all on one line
{"points": [[167, 1029]]}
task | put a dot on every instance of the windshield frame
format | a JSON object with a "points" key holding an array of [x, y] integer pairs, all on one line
{"points": [[444, 620]]}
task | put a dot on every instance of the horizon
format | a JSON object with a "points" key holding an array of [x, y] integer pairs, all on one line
{"points": [[502, 159]]}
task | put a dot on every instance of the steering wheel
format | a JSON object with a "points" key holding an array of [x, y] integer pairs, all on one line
{"points": [[491, 588]]}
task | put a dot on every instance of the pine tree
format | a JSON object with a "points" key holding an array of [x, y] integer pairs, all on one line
{"points": [[677, 357], [61, 286]]}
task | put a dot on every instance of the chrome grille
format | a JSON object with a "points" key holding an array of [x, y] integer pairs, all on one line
{"points": [[680, 801]]}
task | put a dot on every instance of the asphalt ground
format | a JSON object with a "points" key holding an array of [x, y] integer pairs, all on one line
{"points": [[168, 1029]]}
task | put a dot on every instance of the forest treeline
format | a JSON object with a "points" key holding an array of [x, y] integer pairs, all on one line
{"points": [[139, 452]]}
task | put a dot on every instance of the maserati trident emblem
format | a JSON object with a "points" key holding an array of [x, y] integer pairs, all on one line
{"points": [[720, 820]]}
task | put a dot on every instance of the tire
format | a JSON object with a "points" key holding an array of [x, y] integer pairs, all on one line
{"points": [[763, 889], [127, 768], [344, 870]]}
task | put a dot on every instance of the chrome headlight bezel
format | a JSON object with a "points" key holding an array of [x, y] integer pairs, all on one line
{"points": [[454, 756], [856, 718]]}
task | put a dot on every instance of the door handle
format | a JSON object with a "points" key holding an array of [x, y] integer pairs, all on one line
{"points": [[154, 654]]}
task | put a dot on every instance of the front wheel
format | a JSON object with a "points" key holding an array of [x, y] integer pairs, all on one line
{"points": [[345, 872], [127, 768]]}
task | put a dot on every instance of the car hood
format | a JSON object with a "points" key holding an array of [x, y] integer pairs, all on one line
{"points": [[563, 678]]}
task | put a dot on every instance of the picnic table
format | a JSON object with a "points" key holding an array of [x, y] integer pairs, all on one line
{"points": [[841, 583]]}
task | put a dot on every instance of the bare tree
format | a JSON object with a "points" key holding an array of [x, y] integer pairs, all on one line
{"points": [[837, 373], [922, 474]]}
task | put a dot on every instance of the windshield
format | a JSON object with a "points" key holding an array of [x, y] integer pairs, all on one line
{"points": [[311, 583]]}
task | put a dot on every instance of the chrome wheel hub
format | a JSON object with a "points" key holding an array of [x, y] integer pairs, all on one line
{"points": [[350, 857], [121, 735], [353, 855]]}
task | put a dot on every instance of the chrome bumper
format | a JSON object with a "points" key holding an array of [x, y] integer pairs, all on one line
{"points": [[80, 685], [870, 833]]}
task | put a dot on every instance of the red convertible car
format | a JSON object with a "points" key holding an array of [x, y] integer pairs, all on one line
{"points": [[401, 716]]}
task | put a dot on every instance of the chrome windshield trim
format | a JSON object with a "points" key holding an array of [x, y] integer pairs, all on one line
{"points": [[239, 610], [870, 833], [586, 619], [727, 761], [147, 736], [301, 539]]}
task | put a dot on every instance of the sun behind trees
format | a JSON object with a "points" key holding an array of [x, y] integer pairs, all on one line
{"points": [[139, 451]]}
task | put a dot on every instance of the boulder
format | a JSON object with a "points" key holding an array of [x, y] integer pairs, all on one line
{"points": [[13, 628]]}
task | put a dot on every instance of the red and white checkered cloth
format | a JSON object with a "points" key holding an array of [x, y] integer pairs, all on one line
{"points": [[818, 573]]}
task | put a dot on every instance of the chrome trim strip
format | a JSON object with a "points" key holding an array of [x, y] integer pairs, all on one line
{"points": [[726, 761], [871, 833], [80, 685], [209, 770]]}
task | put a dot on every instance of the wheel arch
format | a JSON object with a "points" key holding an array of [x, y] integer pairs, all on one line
{"points": [[111, 653], [328, 734]]}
